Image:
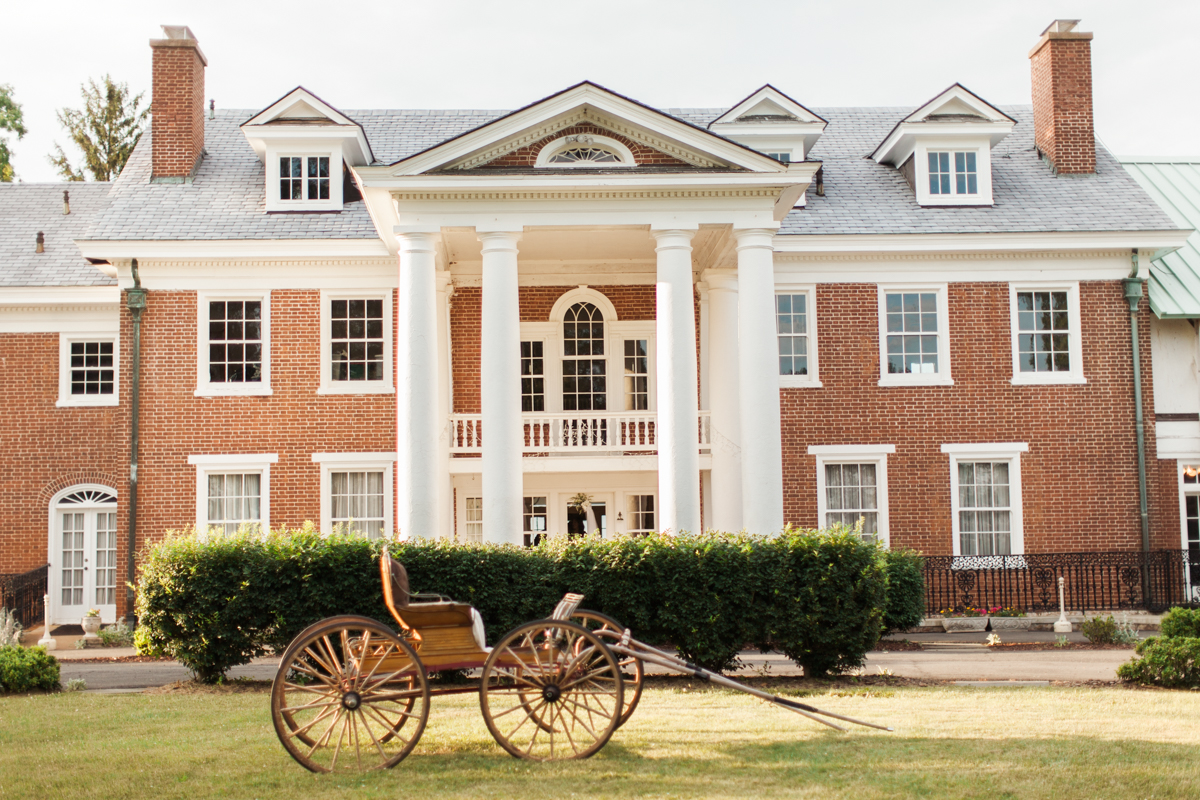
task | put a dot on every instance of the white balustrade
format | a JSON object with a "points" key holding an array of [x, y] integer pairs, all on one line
{"points": [[575, 432]]}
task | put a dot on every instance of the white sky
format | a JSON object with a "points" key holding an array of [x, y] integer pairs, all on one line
{"points": [[506, 53]]}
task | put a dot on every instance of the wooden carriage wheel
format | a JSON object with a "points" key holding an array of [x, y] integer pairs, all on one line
{"points": [[551, 690], [349, 695], [632, 669]]}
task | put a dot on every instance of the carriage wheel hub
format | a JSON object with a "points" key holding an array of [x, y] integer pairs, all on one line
{"points": [[551, 693], [351, 701]]}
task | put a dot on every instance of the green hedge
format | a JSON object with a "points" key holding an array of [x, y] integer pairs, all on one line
{"points": [[823, 599], [26, 669], [906, 590], [1181, 622], [1171, 661]]}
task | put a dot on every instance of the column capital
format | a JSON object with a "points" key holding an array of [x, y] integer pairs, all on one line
{"points": [[417, 239], [673, 239], [498, 241], [754, 238], [720, 279]]}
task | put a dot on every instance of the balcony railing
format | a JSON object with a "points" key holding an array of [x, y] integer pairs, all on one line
{"points": [[24, 594], [575, 432]]}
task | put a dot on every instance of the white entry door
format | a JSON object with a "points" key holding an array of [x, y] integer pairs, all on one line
{"points": [[83, 557]]}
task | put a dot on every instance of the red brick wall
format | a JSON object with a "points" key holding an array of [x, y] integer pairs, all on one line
{"points": [[1062, 104], [1079, 478], [642, 155], [177, 110]]}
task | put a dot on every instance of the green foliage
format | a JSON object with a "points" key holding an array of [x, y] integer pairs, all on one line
{"points": [[10, 630], [1181, 622], [1106, 630], [117, 635], [143, 645], [906, 590], [1171, 661], [819, 598], [106, 130], [26, 669], [12, 120]]}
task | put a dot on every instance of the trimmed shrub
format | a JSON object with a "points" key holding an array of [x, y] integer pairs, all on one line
{"points": [[27, 669], [1165, 661], [906, 590], [1181, 622], [1106, 630]]}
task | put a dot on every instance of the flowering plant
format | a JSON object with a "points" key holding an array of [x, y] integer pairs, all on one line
{"points": [[1007, 611], [93, 612], [968, 611]]}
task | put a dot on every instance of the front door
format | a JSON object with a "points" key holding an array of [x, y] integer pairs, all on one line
{"points": [[589, 518], [83, 557]]}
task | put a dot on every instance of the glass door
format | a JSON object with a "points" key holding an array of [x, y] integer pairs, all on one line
{"points": [[84, 558]]}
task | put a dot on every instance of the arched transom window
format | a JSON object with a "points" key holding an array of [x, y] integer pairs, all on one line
{"points": [[585, 154], [585, 150], [584, 378]]}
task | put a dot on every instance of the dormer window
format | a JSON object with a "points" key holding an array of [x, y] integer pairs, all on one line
{"points": [[964, 179], [304, 178], [585, 150]]}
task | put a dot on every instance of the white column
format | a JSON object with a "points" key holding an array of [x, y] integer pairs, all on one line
{"points": [[724, 401], [445, 289], [758, 357], [417, 410], [678, 422], [500, 385]]}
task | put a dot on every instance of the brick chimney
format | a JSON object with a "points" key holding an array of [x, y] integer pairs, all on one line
{"points": [[1062, 97], [177, 105]]}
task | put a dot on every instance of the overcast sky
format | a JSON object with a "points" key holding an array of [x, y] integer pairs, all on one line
{"points": [[506, 53]]}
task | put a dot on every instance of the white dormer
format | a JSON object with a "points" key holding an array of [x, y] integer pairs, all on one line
{"points": [[303, 143], [773, 123], [944, 148]]}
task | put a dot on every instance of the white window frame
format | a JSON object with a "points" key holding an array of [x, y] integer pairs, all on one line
{"points": [[68, 400], [983, 165], [813, 379], [275, 201], [875, 454], [328, 384], [618, 333], [357, 462], [1181, 463], [1075, 317], [943, 377], [240, 463], [623, 510], [466, 522], [993, 451], [600, 142], [204, 388]]}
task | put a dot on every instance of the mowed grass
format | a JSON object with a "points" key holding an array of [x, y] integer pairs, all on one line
{"points": [[949, 742]]}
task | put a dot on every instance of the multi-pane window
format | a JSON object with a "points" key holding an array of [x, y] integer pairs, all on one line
{"points": [[534, 518], [1043, 331], [473, 520], [912, 332], [584, 379], [106, 558], [585, 155], [304, 178], [786, 158], [637, 375], [964, 178], [791, 323], [357, 502], [91, 368], [533, 381], [641, 513], [235, 347], [234, 499], [851, 493], [72, 559], [356, 340], [1191, 519], [984, 508]]}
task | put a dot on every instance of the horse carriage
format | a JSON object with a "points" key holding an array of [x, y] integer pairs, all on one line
{"points": [[351, 693]]}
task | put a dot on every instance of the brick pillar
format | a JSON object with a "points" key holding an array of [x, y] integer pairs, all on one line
{"points": [[1061, 64], [176, 105]]}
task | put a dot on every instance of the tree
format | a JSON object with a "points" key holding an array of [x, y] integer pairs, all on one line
{"points": [[105, 131], [11, 120]]}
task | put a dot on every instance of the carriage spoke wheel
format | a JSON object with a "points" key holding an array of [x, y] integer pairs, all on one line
{"points": [[632, 669], [551, 690], [349, 696]]}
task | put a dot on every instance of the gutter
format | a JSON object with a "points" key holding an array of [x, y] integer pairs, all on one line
{"points": [[1133, 295], [135, 301]]}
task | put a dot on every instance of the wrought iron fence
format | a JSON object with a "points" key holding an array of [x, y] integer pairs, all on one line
{"points": [[1151, 581], [25, 595]]}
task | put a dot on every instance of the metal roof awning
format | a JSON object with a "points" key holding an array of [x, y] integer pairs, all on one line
{"points": [[1174, 183]]}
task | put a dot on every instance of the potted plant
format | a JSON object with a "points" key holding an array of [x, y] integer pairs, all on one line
{"points": [[962, 620], [91, 623], [1009, 619]]}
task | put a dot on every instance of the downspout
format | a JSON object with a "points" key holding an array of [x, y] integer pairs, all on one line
{"points": [[135, 301], [1133, 295]]}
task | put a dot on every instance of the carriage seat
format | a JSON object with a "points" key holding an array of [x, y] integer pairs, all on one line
{"points": [[427, 612]]}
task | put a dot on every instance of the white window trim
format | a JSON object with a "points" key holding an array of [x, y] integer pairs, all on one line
{"points": [[943, 376], [357, 462], [1184, 491], [203, 387], [68, 400], [567, 142], [1004, 451], [813, 379], [856, 454], [276, 203], [328, 384], [618, 333], [236, 463], [983, 165], [54, 579], [1076, 334]]}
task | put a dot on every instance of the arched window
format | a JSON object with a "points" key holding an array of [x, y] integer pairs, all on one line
{"points": [[584, 373], [584, 154], [83, 552], [585, 150]]}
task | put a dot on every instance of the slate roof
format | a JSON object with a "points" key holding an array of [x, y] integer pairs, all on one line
{"points": [[25, 209], [1175, 278]]}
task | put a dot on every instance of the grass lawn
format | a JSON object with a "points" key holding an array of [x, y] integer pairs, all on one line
{"points": [[949, 742]]}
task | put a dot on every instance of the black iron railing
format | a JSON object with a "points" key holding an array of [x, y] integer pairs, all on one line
{"points": [[1151, 581], [25, 595]]}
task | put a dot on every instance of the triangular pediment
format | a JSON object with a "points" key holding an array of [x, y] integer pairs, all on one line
{"points": [[767, 104], [302, 113], [958, 102], [300, 106], [955, 112], [657, 138]]}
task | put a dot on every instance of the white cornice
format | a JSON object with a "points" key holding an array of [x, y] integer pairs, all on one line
{"points": [[233, 248], [796, 177], [71, 297], [1159, 242]]}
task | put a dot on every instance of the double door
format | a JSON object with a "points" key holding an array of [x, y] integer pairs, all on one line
{"points": [[83, 568]]}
